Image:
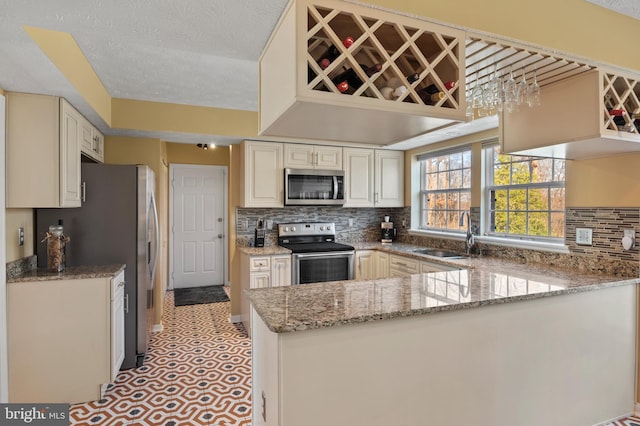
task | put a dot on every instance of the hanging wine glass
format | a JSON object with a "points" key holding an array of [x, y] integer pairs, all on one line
{"points": [[510, 93], [521, 90], [534, 98], [476, 95], [469, 110]]}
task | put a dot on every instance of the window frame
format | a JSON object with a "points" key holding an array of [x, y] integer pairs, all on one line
{"points": [[423, 192], [488, 212]]}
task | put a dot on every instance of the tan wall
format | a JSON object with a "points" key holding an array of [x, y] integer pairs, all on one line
{"points": [[180, 153], [16, 218]]}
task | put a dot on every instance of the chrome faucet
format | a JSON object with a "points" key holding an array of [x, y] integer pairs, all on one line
{"points": [[469, 240]]}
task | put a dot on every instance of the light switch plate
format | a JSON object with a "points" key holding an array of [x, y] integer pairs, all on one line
{"points": [[584, 236]]}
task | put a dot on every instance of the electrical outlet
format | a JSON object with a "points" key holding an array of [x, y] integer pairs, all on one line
{"points": [[584, 236], [21, 236], [269, 224], [350, 222]]}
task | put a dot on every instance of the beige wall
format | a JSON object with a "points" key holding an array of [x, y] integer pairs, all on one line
{"points": [[16, 218], [180, 153]]}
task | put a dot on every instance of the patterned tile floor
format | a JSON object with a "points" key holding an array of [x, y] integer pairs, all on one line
{"points": [[197, 372], [627, 421]]}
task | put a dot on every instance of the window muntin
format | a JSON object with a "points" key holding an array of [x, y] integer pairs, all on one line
{"points": [[525, 195], [445, 190]]}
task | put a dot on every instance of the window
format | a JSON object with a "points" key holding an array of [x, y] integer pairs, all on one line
{"points": [[525, 195], [445, 189]]}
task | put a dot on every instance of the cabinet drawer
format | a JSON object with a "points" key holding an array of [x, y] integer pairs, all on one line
{"points": [[260, 263], [405, 264], [117, 284]]}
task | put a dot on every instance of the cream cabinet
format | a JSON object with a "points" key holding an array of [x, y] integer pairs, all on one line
{"points": [[65, 338], [312, 157], [42, 152], [92, 142], [401, 266], [365, 265], [578, 119], [117, 324], [280, 270], [262, 174], [382, 264], [374, 178], [300, 84], [261, 271], [426, 266]]}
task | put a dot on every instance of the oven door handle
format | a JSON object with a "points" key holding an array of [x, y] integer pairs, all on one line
{"points": [[335, 187], [324, 254]]}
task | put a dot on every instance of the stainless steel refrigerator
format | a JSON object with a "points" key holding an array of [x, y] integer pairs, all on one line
{"points": [[117, 223]]}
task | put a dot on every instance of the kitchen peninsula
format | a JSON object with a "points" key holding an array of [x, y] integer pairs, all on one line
{"points": [[490, 344]]}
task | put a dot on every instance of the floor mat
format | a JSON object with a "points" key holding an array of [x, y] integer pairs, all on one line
{"points": [[199, 295]]}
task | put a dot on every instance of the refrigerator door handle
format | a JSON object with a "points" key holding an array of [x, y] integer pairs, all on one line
{"points": [[155, 238]]}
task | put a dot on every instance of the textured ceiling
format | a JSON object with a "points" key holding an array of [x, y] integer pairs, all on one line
{"points": [[626, 7]]}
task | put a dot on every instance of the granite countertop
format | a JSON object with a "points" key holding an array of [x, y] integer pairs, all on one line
{"points": [[70, 273], [263, 251], [480, 281]]}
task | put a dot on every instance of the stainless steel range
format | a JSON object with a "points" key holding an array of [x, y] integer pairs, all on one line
{"points": [[316, 257]]}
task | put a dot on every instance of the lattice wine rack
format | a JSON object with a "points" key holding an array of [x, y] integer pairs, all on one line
{"points": [[349, 54], [621, 106]]}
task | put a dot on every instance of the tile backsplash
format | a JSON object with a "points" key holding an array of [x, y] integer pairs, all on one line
{"points": [[606, 254]]}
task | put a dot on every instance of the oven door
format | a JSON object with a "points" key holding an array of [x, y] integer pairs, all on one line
{"points": [[319, 267]]}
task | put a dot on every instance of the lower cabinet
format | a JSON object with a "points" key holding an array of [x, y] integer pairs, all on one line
{"points": [[261, 271], [382, 264], [65, 338], [401, 266], [365, 265]]}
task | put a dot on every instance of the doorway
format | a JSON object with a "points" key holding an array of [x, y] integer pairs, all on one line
{"points": [[198, 206]]}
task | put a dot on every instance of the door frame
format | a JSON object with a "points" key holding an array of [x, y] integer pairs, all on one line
{"points": [[225, 217], [4, 352]]}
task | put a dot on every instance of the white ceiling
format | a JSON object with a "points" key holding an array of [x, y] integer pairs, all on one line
{"points": [[195, 52]]}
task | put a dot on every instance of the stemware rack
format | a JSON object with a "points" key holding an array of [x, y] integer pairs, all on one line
{"points": [[621, 94]]}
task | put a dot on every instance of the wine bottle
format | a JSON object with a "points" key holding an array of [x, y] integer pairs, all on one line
{"points": [[431, 98], [432, 88], [352, 78], [332, 53]]}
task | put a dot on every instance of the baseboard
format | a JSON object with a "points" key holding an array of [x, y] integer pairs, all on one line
{"points": [[235, 319], [157, 328]]}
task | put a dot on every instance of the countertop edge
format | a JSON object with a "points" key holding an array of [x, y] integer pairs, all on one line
{"points": [[70, 273]]}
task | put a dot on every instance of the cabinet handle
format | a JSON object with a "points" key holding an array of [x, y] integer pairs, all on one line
{"points": [[83, 191], [126, 303]]}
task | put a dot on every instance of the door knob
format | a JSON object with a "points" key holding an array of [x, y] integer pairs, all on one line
{"points": [[220, 236]]}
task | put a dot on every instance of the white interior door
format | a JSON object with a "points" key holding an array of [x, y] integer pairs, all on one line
{"points": [[198, 225]]}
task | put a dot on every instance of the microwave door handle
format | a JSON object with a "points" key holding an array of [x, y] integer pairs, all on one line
{"points": [[335, 187]]}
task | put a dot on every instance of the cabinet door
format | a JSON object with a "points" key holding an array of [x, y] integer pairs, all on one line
{"points": [[358, 177], [365, 265], [281, 270], [86, 137], [263, 174], [382, 264], [389, 177], [70, 137], [98, 145], [298, 156], [260, 279], [328, 157], [117, 325], [400, 266]]}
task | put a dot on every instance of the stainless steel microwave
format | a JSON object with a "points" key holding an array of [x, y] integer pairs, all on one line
{"points": [[311, 187]]}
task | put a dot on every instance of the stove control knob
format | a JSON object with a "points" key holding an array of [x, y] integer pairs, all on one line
{"points": [[293, 229], [286, 229], [322, 228], [329, 228]]}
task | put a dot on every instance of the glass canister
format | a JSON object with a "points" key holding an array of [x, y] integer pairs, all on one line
{"points": [[56, 242]]}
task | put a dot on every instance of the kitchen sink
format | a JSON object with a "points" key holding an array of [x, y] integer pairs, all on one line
{"points": [[439, 253]]}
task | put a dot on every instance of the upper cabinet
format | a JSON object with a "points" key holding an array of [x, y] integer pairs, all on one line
{"points": [[92, 144], [373, 178], [344, 72], [42, 152], [312, 157], [594, 114], [262, 174]]}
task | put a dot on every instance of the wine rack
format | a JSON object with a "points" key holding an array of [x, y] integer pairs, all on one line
{"points": [[405, 75], [401, 50], [621, 94]]}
